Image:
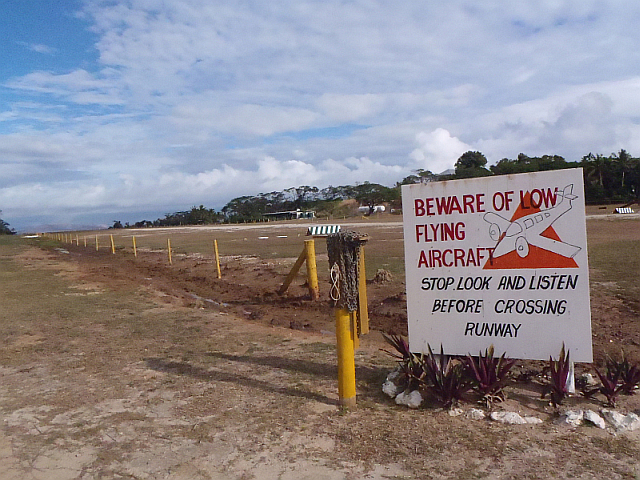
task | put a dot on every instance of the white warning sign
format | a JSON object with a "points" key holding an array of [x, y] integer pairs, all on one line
{"points": [[499, 260]]}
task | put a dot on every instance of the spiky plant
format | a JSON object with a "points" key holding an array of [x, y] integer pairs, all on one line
{"points": [[610, 382], [559, 373], [400, 345], [445, 378], [414, 371], [489, 374], [409, 363], [629, 376]]}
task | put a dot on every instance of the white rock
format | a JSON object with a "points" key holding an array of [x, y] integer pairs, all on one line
{"points": [[475, 414], [634, 421], [410, 399], [615, 419], [573, 418], [455, 412], [402, 398], [621, 422], [595, 419], [393, 384], [393, 375], [589, 380], [533, 420], [415, 399], [391, 388], [511, 418]]}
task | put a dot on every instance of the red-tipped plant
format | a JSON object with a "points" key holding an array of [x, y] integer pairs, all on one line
{"points": [[629, 376], [410, 364], [559, 373], [609, 379], [489, 374], [445, 377], [399, 344]]}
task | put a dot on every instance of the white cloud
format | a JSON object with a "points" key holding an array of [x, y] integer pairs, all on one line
{"points": [[350, 108], [595, 117], [194, 101], [437, 150], [79, 86], [39, 48]]}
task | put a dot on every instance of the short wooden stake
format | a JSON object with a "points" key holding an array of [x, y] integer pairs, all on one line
{"points": [[113, 245], [169, 250], [77, 241], [307, 255], [85, 241], [97, 243], [293, 272], [346, 359], [135, 250], [215, 249]]}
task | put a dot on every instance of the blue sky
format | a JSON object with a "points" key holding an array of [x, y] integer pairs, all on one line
{"points": [[132, 109]]}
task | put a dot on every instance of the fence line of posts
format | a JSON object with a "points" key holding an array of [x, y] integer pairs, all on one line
{"points": [[68, 238], [348, 292]]}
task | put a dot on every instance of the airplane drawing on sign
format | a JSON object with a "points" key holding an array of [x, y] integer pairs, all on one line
{"points": [[527, 230]]}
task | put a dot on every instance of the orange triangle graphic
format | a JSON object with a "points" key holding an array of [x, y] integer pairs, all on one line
{"points": [[538, 257]]}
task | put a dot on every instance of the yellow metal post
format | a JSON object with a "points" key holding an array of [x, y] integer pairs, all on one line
{"points": [[113, 245], [355, 329], [363, 308], [312, 271], [346, 359], [169, 250], [215, 250], [135, 249]]}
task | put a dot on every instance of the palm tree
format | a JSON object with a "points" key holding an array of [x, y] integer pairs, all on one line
{"points": [[624, 162], [595, 165]]}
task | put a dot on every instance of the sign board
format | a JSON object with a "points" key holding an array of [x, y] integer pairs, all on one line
{"points": [[498, 260]]}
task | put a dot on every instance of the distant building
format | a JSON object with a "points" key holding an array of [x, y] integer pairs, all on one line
{"points": [[376, 209], [290, 215]]}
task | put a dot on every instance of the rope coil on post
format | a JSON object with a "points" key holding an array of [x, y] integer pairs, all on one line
{"points": [[334, 292], [344, 251]]}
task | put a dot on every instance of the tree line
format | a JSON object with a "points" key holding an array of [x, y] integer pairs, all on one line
{"points": [[4, 227], [615, 178]]}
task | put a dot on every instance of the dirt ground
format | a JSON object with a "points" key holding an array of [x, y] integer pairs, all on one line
{"points": [[115, 367]]}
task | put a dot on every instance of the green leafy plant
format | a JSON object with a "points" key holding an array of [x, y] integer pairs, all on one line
{"points": [[489, 374], [558, 372], [445, 378]]}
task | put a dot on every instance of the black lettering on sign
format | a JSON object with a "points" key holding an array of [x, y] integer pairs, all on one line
{"points": [[483, 329]]}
